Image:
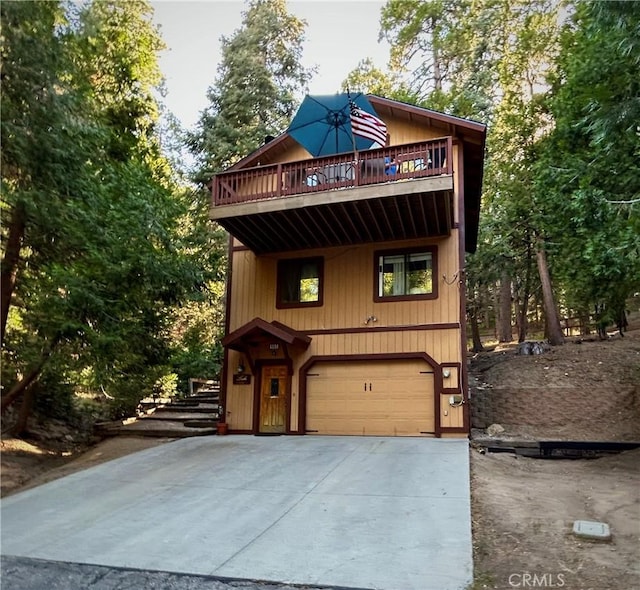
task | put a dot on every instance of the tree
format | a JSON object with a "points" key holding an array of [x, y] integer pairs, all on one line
{"points": [[258, 87], [257, 90], [588, 173], [368, 79], [443, 50], [106, 251], [487, 60], [34, 102]]}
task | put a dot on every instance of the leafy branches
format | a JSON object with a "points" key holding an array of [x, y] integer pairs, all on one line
{"points": [[98, 242]]}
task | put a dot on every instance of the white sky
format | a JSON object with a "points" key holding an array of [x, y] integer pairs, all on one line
{"points": [[338, 36]]}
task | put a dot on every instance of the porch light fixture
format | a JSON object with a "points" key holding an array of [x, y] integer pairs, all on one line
{"points": [[240, 368], [446, 373]]}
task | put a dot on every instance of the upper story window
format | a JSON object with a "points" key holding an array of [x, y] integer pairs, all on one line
{"points": [[300, 282], [403, 275]]}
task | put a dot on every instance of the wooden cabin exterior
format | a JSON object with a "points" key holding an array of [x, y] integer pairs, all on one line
{"points": [[345, 293]]}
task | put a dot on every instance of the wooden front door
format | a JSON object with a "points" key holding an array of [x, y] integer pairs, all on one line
{"points": [[274, 398]]}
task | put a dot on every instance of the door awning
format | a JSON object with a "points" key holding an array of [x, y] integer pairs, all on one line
{"points": [[258, 329]]}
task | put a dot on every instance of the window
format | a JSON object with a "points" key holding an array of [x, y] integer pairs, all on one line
{"points": [[299, 282], [408, 274]]}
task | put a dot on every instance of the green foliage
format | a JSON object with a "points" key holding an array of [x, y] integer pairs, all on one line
{"points": [[588, 173], [110, 247], [54, 395], [368, 79], [563, 144], [443, 51], [257, 90], [196, 359]]}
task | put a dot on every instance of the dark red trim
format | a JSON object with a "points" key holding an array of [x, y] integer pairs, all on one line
{"points": [[417, 327], [455, 389], [449, 429], [414, 250], [463, 124], [463, 292], [319, 260], [238, 338], [227, 320], [240, 249], [253, 156], [304, 369], [240, 431]]}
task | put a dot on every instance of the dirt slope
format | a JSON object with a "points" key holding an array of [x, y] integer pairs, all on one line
{"points": [[523, 509]]}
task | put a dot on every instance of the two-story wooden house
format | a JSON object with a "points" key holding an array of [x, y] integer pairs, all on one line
{"points": [[345, 294]]}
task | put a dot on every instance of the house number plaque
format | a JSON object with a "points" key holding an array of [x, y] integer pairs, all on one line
{"points": [[242, 379]]}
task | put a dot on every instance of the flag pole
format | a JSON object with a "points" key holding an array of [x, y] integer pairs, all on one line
{"points": [[351, 105]]}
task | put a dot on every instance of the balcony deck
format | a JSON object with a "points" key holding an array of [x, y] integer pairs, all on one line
{"points": [[392, 193]]}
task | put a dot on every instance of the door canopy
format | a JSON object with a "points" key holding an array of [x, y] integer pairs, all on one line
{"points": [[248, 337]]}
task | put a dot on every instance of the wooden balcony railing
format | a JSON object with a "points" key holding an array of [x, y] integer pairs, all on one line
{"points": [[346, 170]]}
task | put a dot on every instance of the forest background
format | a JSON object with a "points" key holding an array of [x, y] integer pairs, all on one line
{"points": [[112, 284]]}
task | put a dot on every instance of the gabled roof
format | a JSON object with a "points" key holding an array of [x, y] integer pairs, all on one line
{"points": [[472, 135], [259, 328], [465, 128]]}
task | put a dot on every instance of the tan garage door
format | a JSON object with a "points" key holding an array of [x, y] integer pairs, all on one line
{"points": [[376, 398]]}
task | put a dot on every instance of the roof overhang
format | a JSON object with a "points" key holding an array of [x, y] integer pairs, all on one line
{"points": [[257, 330], [471, 134]]}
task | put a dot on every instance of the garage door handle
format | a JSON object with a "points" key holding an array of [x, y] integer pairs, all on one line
{"points": [[365, 387]]}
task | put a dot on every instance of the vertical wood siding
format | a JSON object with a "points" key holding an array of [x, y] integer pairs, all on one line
{"points": [[348, 302]]}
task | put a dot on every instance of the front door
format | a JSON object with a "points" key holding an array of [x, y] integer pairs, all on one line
{"points": [[274, 396]]}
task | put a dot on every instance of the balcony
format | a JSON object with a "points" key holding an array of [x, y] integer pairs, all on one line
{"points": [[394, 193]]}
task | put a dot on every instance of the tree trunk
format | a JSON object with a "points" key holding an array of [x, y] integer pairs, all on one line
{"points": [[552, 320], [437, 73], [20, 427], [20, 387], [522, 319], [523, 312], [475, 330], [504, 310], [9, 272]]}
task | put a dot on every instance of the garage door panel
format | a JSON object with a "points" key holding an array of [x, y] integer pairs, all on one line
{"points": [[377, 398]]}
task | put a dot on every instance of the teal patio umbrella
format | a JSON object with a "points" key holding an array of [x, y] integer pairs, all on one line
{"points": [[322, 124]]}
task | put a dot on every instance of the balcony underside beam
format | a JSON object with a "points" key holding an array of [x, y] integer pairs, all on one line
{"points": [[338, 221]]}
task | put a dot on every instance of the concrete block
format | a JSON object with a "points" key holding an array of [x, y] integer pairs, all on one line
{"points": [[596, 531]]}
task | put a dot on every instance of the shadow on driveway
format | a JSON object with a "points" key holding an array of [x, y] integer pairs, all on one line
{"points": [[383, 513]]}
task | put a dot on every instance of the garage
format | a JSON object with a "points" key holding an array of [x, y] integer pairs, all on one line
{"points": [[371, 398]]}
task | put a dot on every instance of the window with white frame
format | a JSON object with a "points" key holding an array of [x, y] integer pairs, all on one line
{"points": [[406, 274]]}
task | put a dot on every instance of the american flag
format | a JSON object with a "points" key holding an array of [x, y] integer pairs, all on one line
{"points": [[367, 125]]}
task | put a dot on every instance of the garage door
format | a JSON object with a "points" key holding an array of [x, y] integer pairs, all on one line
{"points": [[376, 398]]}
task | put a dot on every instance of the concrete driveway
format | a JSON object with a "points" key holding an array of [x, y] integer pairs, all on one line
{"points": [[382, 513]]}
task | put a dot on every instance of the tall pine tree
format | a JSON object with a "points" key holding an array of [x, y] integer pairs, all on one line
{"points": [[257, 90]]}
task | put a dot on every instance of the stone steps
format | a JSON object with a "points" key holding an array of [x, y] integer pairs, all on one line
{"points": [[195, 415], [197, 409], [161, 430]]}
